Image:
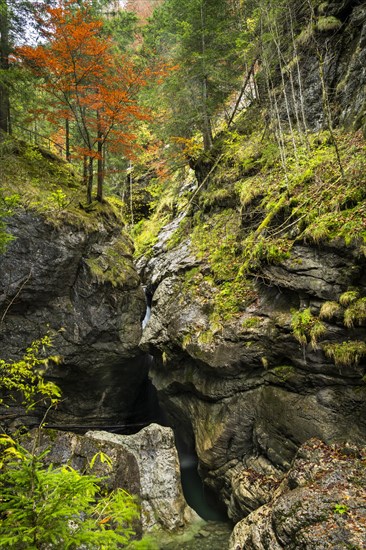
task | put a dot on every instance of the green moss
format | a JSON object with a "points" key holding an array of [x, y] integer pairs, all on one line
{"points": [[181, 233], [115, 264], [205, 337], [347, 353], [145, 234], [283, 372], [305, 36], [49, 185], [306, 328], [318, 232], [247, 191], [264, 250], [349, 297], [218, 194], [329, 310], [355, 314], [222, 301], [215, 240], [187, 339], [328, 23], [251, 322], [233, 297]]}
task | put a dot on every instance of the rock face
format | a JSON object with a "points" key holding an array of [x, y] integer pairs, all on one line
{"points": [[248, 389], [342, 49], [64, 280], [258, 315], [319, 504], [248, 395], [145, 464]]}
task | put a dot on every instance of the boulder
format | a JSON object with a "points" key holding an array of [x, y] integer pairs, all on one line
{"points": [[144, 464]]}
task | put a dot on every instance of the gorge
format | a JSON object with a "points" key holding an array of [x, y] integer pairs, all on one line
{"points": [[218, 314]]}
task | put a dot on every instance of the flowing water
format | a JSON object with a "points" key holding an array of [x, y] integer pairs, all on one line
{"points": [[213, 531]]}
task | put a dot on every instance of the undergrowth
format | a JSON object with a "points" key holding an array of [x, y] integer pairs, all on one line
{"points": [[47, 184], [253, 209]]}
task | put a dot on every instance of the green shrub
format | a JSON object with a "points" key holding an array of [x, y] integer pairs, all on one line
{"points": [[348, 297], [329, 310], [340, 509], [44, 508], [24, 379]]}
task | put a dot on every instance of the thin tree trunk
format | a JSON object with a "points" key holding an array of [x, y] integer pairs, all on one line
{"points": [[130, 179], [207, 128], [327, 111], [245, 84], [299, 80], [90, 181], [67, 135], [325, 97], [100, 164], [85, 170], [276, 39], [4, 66]]}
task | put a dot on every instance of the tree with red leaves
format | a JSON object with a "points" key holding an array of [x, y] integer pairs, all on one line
{"points": [[90, 84]]}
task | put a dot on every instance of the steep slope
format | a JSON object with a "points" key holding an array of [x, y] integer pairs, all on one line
{"points": [[258, 281]]}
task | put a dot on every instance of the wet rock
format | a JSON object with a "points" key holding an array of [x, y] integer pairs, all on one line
{"points": [[202, 536]]}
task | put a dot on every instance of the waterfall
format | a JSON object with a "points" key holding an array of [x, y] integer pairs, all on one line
{"points": [[147, 317]]}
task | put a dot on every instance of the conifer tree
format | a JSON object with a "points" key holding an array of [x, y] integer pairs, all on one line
{"points": [[200, 37]]}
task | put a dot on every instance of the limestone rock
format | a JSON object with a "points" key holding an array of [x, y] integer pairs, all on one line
{"points": [[319, 504], [161, 497], [248, 393], [343, 68], [145, 464], [63, 280]]}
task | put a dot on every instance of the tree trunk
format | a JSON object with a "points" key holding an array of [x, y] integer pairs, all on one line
{"points": [[4, 66], [207, 129], [67, 139], [85, 170], [100, 181], [130, 179], [90, 181]]}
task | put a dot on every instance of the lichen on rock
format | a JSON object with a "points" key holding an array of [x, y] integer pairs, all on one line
{"points": [[319, 504]]}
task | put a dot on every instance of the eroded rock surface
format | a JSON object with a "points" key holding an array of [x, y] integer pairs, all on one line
{"points": [[320, 503], [248, 394], [145, 464], [64, 280]]}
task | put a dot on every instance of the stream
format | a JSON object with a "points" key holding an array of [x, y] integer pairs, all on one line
{"points": [[213, 532]]}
